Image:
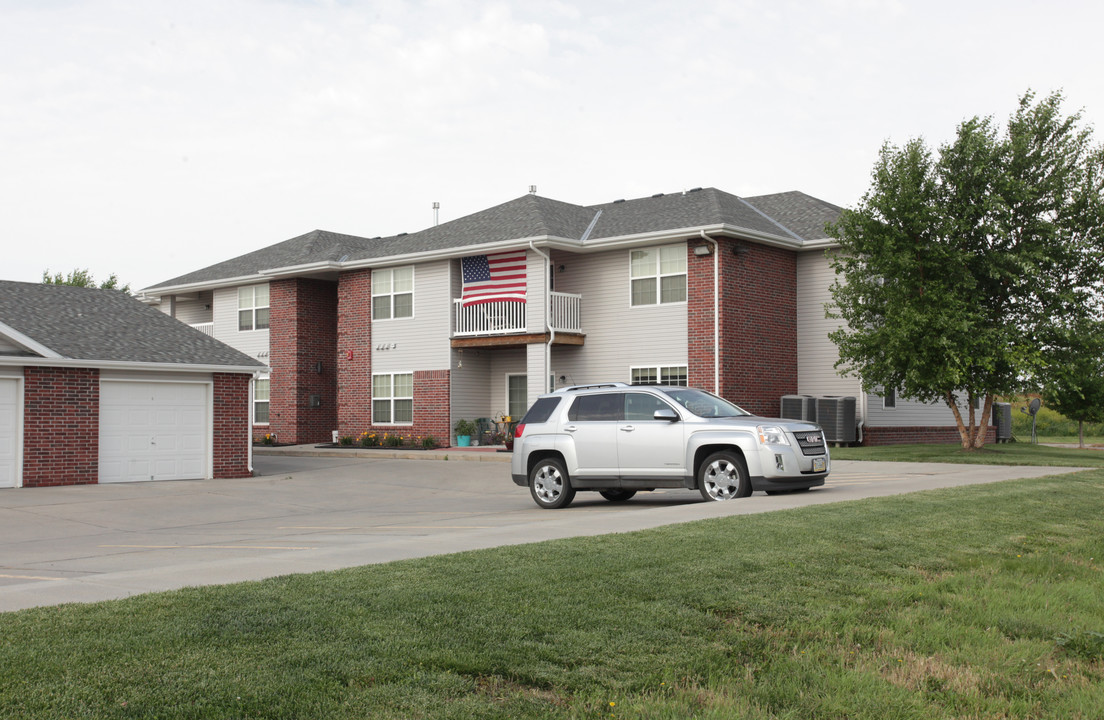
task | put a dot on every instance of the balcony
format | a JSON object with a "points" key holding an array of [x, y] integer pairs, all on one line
{"points": [[494, 320], [207, 328]]}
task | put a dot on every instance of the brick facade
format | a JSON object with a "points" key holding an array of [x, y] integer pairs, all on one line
{"points": [[758, 323], [354, 352], [303, 333], [230, 444], [918, 435], [61, 426]]}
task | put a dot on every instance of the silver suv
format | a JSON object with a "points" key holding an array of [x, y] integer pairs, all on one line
{"points": [[618, 439]]}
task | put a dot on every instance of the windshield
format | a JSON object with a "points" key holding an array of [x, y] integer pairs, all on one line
{"points": [[703, 404]]}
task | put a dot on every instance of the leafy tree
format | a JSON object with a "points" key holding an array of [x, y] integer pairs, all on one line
{"points": [[1075, 375], [83, 278], [953, 267]]}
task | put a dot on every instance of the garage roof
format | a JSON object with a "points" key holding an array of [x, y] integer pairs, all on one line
{"points": [[89, 324]]}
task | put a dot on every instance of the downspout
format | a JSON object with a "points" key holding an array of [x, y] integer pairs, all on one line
{"points": [[547, 317], [716, 313]]}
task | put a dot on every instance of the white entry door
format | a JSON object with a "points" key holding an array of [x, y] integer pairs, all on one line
{"points": [[9, 432], [154, 431]]}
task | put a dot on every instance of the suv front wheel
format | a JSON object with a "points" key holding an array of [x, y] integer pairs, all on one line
{"points": [[549, 484], [724, 476]]}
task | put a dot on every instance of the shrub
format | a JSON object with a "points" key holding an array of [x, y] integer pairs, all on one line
{"points": [[345, 441], [429, 442]]}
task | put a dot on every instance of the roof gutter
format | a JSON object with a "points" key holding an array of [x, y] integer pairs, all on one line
{"points": [[716, 313], [20, 360]]}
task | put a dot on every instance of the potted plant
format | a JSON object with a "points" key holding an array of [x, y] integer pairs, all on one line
{"points": [[464, 429]]}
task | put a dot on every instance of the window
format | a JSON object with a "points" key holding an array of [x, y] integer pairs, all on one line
{"points": [[393, 399], [253, 307], [661, 375], [642, 406], [889, 399], [260, 401], [602, 407], [658, 275], [393, 293], [517, 395]]}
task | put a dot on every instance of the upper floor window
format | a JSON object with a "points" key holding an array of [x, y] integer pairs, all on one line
{"points": [[253, 307], [393, 293], [662, 375], [889, 398], [658, 275]]}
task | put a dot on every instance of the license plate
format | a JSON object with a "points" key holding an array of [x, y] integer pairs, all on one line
{"points": [[818, 465]]}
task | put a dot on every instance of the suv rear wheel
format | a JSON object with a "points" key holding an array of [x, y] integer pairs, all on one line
{"points": [[549, 484], [724, 476]]}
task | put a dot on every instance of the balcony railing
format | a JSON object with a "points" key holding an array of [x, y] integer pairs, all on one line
{"points": [[207, 328], [503, 318]]}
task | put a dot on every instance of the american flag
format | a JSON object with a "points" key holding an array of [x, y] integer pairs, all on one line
{"points": [[496, 277]]}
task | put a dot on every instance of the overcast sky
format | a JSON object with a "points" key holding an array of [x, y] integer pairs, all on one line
{"points": [[150, 138]]}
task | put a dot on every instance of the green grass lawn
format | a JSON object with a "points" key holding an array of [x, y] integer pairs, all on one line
{"points": [[974, 602], [991, 454]]}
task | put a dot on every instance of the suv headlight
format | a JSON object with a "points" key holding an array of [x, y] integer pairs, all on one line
{"points": [[771, 435]]}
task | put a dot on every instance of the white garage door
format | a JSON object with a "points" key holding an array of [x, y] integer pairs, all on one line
{"points": [[9, 432], [153, 431]]}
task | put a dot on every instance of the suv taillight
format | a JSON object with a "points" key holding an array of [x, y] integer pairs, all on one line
{"points": [[518, 429]]}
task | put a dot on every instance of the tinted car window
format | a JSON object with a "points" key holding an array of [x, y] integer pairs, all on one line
{"points": [[642, 406], [603, 406], [541, 410]]}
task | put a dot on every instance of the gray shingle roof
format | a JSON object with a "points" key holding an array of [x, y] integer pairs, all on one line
{"points": [[801, 214], [787, 215], [315, 246], [108, 325]]}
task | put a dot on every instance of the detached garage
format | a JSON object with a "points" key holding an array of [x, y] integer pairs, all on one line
{"points": [[97, 387]]}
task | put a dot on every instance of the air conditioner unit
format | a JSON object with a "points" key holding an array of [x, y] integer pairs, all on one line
{"points": [[799, 407], [836, 415], [1002, 420]]}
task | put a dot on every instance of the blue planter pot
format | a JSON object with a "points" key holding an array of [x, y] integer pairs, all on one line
{"points": [[463, 441]]}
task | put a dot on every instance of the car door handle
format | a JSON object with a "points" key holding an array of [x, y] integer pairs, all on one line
{"points": [[627, 428], [570, 428]]}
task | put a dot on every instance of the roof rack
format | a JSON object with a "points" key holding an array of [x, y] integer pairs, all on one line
{"points": [[596, 386]]}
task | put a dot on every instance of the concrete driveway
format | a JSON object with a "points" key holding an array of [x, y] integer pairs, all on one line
{"points": [[304, 514]]}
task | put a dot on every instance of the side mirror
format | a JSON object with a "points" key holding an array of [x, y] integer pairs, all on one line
{"points": [[666, 414]]}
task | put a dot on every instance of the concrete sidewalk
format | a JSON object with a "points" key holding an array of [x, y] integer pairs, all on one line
{"points": [[342, 509]]}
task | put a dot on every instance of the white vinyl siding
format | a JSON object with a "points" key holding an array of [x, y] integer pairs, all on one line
{"points": [[422, 344], [616, 340], [816, 354], [193, 311], [225, 312], [253, 310], [393, 399], [393, 293], [658, 275]]}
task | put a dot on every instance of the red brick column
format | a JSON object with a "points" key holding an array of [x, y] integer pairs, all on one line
{"points": [[302, 333], [758, 323], [61, 426], [432, 405], [354, 352], [231, 440]]}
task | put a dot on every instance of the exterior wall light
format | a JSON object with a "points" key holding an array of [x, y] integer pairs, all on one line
{"points": [[703, 250]]}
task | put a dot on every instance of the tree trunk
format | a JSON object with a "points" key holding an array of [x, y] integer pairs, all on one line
{"points": [[963, 433], [1081, 434], [983, 422]]}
